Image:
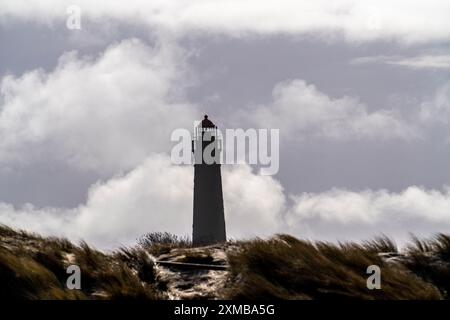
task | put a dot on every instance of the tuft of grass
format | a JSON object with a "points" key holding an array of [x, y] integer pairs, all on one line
{"points": [[442, 246], [430, 259], [419, 245], [139, 260], [121, 283], [381, 244], [24, 278]]}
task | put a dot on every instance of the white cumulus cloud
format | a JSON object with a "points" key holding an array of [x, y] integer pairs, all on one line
{"points": [[300, 111], [106, 113], [345, 214], [254, 204], [155, 196]]}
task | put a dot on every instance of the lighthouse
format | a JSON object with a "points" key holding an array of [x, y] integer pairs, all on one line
{"points": [[209, 219]]}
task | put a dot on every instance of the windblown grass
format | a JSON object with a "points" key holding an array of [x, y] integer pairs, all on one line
{"points": [[32, 267], [283, 267], [287, 268], [430, 259]]}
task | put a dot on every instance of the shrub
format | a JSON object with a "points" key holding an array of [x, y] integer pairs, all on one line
{"points": [[162, 242]]}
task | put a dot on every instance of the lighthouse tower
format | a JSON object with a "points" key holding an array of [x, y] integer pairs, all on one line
{"points": [[209, 220]]}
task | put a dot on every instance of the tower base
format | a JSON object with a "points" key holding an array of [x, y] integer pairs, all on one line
{"points": [[209, 219]]}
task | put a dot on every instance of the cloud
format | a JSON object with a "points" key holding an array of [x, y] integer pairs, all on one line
{"points": [[254, 204], [364, 20], [344, 214], [104, 114], [155, 196], [417, 62], [300, 111]]}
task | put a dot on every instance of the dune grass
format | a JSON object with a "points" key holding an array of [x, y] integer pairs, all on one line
{"points": [[283, 267], [33, 267], [287, 268]]}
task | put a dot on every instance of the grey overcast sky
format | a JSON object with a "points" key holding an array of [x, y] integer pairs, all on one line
{"points": [[359, 90]]}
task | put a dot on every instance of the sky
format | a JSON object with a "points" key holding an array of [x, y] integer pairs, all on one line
{"points": [[360, 91]]}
